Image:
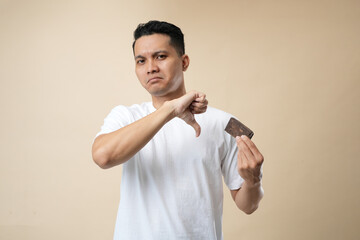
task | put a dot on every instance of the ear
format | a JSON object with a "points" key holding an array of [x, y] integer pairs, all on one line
{"points": [[185, 62]]}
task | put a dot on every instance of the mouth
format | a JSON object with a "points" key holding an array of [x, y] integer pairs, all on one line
{"points": [[154, 79]]}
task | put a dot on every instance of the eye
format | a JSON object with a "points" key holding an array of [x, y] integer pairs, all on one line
{"points": [[140, 61], [162, 56]]}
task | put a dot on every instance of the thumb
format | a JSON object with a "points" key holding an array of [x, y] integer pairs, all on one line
{"points": [[189, 118], [196, 126]]}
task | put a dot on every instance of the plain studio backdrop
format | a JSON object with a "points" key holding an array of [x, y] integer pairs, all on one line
{"points": [[290, 70]]}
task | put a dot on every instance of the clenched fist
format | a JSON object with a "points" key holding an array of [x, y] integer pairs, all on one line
{"points": [[185, 107]]}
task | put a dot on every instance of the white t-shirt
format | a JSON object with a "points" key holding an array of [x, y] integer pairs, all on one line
{"points": [[172, 188]]}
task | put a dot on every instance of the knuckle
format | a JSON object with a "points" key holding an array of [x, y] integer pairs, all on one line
{"points": [[253, 165], [258, 164], [244, 166], [261, 158]]}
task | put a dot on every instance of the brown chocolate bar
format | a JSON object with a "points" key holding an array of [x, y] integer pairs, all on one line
{"points": [[236, 128]]}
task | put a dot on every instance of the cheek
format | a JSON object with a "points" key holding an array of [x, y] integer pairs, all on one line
{"points": [[174, 69], [139, 75]]}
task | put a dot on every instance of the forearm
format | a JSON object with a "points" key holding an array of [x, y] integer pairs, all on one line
{"points": [[248, 197], [119, 146]]}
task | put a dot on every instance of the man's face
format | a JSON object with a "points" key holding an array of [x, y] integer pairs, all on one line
{"points": [[158, 66]]}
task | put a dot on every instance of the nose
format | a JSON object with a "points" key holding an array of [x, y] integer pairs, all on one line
{"points": [[152, 67]]}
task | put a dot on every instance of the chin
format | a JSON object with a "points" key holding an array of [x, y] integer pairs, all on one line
{"points": [[163, 91], [157, 92]]}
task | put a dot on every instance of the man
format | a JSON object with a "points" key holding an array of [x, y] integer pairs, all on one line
{"points": [[171, 184]]}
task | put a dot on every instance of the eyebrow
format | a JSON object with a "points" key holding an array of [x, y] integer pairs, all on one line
{"points": [[154, 54]]}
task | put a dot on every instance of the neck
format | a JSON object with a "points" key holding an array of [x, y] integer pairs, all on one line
{"points": [[158, 101]]}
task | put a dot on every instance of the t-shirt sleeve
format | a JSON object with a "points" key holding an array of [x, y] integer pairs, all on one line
{"points": [[232, 178], [119, 117]]}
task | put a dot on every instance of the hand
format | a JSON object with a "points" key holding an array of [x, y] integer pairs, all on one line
{"points": [[186, 106], [250, 160]]}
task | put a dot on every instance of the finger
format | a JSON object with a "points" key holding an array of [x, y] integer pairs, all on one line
{"points": [[188, 98], [197, 110], [200, 101], [246, 151], [201, 97], [195, 99], [243, 162], [241, 156], [196, 127], [190, 119], [199, 104], [255, 151]]}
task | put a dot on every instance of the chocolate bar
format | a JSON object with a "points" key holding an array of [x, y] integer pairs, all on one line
{"points": [[236, 128]]}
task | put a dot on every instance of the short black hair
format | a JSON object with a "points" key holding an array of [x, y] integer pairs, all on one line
{"points": [[152, 27]]}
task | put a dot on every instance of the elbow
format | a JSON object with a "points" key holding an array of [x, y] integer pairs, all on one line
{"points": [[253, 207], [251, 210], [100, 158]]}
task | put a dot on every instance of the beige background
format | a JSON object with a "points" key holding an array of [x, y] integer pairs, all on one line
{"points": [[290, 70]]}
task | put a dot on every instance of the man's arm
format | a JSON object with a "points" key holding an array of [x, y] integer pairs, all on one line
{"points": [[250, 160], [119, 146]]}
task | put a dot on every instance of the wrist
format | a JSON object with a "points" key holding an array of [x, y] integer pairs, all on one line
{"points": [[169, 109], [252, 184]]}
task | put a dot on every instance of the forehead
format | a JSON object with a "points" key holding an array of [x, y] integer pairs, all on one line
{"points": [[152, 43]]}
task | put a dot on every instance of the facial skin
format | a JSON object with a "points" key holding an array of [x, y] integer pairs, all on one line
{"points": [[159, 68]]}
